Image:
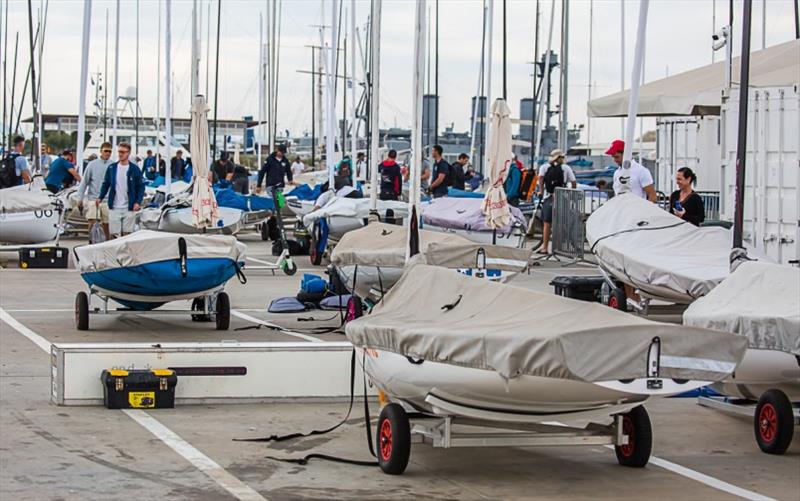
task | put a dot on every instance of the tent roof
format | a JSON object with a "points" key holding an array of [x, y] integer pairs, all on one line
{"points": [[699, 91]]}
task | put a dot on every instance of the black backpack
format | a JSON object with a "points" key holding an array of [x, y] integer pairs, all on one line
{"points": [[8, 172], [553, 178]]}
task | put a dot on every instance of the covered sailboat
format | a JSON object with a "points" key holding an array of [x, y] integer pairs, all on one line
{"points": [[29, 214], [465, 217], [761, 303], [147, 269], [660, 254], [374, 257]]}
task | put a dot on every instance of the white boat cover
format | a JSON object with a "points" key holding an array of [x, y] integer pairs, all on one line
{"points": [[661, 254], [384, 245], [465, 214], [25, 198], [146, 246], [439, 315], [760, 301], [355, 208]]}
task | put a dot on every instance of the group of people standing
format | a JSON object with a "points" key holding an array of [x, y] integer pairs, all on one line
{"points": [[436, 181]]}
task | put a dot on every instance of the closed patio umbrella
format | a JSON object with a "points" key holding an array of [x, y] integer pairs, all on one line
{"points": [[498, 161], [205, 212]]}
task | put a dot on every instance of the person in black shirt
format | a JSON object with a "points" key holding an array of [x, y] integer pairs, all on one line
{"points": [[458, 177], [223, 168], [685, 202], [441, 173], [391, 178], [274, 170]]}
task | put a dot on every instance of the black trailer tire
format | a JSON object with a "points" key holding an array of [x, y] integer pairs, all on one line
{"points": [[636, 424], [617, 299], [223, 313], [82, 311], [774, 422], [289, 268], [393, 439], [264, 230]]}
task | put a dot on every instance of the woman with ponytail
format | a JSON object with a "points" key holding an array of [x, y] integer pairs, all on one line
{"points": [[685, 202]]}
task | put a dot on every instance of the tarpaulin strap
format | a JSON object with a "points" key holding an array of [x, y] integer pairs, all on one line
{"points": [[290, 436], [640, 227], [183, 254], [452, 305], [336, 459], [239, 273]]}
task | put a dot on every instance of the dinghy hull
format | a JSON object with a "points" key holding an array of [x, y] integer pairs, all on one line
{"points": [[32, 227]]}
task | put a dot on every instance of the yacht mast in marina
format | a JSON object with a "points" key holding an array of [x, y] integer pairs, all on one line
{"points": [[115, 95], [633, 101], [85, 38], [543, 100], [375, 86], [168, 90], [416, 131]]}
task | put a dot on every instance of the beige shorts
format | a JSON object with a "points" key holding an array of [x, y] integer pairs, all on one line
{"points": [[96, 212], [121, 221]]}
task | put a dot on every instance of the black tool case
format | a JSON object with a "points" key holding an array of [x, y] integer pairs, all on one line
{"points": [[585, 288], [139, 389], [43, 257]]}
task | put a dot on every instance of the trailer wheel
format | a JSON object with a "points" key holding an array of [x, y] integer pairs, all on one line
{"points": [[289, 267], [82, 311], [393, 439], [264, 230], [774, 422], [223, 311], [636, 425], [199, 304], [355, 309], [618, 300], [316, 256]]}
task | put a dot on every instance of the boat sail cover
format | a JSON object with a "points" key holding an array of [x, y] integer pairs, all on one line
{"points": [[145, 246], [355, 208], [439, 315], [25, 198], [661, 254], [760, 301], [384, 245], [465, 214]]}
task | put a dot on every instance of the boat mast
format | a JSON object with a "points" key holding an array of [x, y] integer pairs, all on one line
{"points": [[216, 76], [478, 96], [116, 86], [270, 141], [591, 24], [105, 82], [622, 57], [741, 145], [13, 91], [43, 8], [533, 84], [436, 78], [5, 75], [168, 90], [35, 105], [354, 128], [375, 84], [416, 131], [195, 54], [633, 100], [545, 84], [260, 115], [136, 95], [488, 74], [563, 133], [208, 44], [276, 49], [87, 24], [330, 93]]}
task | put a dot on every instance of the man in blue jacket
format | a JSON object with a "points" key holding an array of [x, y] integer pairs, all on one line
{"points": [[125, 189]]}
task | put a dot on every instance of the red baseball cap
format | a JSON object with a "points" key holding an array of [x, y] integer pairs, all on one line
{"points": [[618, 146]]}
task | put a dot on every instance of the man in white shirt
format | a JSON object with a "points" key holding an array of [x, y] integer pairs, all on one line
{"points": [[361, 167], [124, 185], [298, 166], [547, 188], [638, 179]]}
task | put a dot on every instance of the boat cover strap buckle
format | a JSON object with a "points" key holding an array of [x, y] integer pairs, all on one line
{"points": [[182, 253]]}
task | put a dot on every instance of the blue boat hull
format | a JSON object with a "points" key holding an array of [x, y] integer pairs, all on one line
{"points": [[163, 278]]}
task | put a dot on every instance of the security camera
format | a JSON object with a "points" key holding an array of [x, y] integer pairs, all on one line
{"points": [[720, 38]]}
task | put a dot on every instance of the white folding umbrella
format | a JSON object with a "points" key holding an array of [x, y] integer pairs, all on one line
{"points": [[498, 161], [205, 211]]}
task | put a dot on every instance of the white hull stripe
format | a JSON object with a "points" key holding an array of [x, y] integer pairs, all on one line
{"points": [[703, 364]]}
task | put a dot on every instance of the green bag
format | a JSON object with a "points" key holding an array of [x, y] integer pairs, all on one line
{"points": [[280, 200]]}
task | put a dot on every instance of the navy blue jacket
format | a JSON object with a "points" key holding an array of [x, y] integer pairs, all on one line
{"points": [[135, 185], [274, 170]]}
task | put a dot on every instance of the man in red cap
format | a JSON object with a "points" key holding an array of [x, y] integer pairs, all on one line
{"points": [[638, 179]]}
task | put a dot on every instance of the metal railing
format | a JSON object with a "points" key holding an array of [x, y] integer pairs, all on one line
{"points": [[569, 208]]}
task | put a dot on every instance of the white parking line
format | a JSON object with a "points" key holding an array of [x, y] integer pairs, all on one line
{"points": [[36, 339], [268, 324], [709, 481], [236, 487]]}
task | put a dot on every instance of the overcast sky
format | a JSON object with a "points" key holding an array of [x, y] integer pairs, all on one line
{"points": [[678, 39]]}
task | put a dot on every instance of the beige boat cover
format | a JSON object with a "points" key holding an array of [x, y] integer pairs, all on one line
{"points": [[25, 198], [147, 246], [699, 91], [646, 246], [355, 208], [440, 315], [384, 245], [760, 301]]}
